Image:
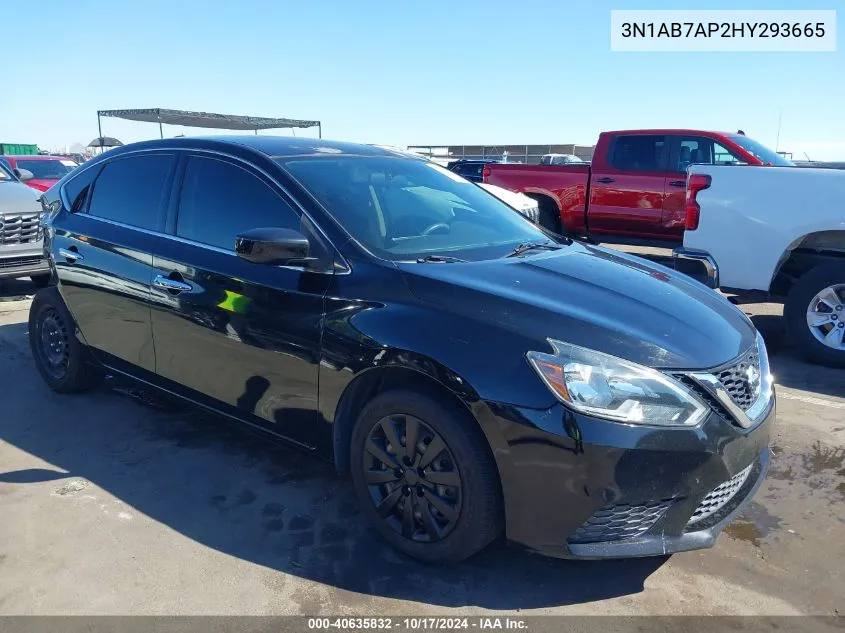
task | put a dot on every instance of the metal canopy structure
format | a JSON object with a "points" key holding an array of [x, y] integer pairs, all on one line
{"points": [[205, 119]]}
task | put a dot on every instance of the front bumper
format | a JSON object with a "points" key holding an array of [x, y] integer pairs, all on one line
{"points": [[23, 266], [711, 269], [581, 487], [691, 538]]}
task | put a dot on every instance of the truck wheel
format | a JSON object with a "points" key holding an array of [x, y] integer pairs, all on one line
{"points": [[63, 361], [549, 215], [814, 314], [425, 478]]}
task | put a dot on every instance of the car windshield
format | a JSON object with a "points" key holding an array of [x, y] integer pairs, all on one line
{"points": [[404, 209], [5, 173], [47, 169], [761, 151]]}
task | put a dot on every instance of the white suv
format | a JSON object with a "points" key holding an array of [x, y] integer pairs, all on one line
{"points": [[21, 234]]}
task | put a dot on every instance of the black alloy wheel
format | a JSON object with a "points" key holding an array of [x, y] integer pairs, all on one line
{"points": [[413, 478], [53, 343], [425, 476], [61, 358]]}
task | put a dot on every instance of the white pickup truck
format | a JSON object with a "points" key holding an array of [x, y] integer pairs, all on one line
{"points": [[777, 232]]}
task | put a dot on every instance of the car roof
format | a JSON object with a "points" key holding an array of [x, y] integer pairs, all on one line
{"points": [[35, 157], [672, 131], [268, 145]]}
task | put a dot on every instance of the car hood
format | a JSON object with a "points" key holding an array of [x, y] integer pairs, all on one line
{"points": [[41, 184], [593, 297], [16, 197]]}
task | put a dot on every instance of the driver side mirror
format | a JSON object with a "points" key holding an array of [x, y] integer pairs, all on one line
{"points": [[274, 246], [23, 174]]}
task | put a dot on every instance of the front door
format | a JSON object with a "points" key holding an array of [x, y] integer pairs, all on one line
{"points": [[626, 193], [246, 335], [103, 254]]}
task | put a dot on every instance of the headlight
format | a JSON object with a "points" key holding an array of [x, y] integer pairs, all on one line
{"points": [[615, 389]]}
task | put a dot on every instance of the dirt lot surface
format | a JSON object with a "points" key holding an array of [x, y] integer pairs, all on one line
{"points": [[113, 505]]}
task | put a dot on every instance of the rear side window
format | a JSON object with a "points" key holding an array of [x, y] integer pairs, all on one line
{"points": [[638, 153], [219, 200], [131, 190], [471, 169], [76, 189]]}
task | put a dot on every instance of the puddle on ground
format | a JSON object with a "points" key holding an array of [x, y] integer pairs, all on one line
{"points": [[753, 525], [823, 458], [822, 468]]}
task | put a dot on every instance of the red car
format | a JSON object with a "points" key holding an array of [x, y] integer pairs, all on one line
{"points": [[46, 170], [634, 191]]}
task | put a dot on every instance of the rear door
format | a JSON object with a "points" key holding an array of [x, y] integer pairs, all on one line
{"points": [[626, 189], [226, 330], [686, 151], [103, 253]]}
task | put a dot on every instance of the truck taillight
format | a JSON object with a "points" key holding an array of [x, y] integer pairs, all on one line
{"points": [[485, 174], [695, 183]]}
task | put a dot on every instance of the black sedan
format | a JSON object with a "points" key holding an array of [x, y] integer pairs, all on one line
{"points": [[474, 375]]}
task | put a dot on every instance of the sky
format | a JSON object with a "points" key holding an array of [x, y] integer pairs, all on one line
{"points": [[402, 72]]}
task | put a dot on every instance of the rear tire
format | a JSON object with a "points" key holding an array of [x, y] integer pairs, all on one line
{"points": [[460, 478], [549, 215], [63, 361], [804, 304]]}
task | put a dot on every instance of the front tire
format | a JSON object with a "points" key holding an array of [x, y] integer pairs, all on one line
{"points": [[425, 478], [814, 314], [63, 361]]}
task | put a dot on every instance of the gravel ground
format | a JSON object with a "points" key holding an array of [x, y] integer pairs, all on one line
{"points": [[115, 504]]}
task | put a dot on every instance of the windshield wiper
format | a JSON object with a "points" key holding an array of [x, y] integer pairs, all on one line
{"points": [[443, 259], [530, 246]]}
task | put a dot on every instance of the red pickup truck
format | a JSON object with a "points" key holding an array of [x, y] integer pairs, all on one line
{"points": [[635, 188]]}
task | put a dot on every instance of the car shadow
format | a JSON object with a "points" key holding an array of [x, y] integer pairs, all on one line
{"points": [[222, 486], [16, 289], [788, 365]]}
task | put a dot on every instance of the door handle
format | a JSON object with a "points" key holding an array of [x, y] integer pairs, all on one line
{"points": [[71, 254], [160, 281], [678, 183], [605, 180]]}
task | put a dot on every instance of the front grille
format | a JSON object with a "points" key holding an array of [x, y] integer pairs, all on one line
{"points": [[619, 522], [20, 228], [18, 262], [742, 381], [720, 496]]}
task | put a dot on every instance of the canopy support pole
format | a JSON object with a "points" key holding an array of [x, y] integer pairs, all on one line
{"points": [[319, 130], [100, 130]]}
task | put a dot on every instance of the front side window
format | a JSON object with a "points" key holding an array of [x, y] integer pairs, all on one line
{"points": [[638, 152], [220, 200], [132, 190], [403, 209], [703, 151]]}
